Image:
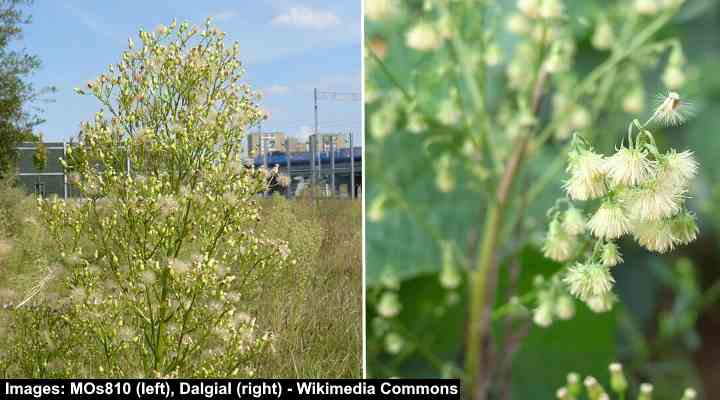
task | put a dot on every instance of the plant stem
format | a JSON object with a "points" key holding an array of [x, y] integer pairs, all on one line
{"points": [[479, 316], [476, 332]]}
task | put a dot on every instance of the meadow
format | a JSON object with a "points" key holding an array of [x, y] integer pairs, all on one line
{"points": [[312, 308]]}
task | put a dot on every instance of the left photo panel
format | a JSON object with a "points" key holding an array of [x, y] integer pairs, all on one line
{"points": [[181, 189]]}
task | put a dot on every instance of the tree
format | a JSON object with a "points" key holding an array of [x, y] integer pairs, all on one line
{"points": [[16, 122]]}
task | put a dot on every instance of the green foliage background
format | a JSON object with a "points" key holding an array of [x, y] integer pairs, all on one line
{"points": [[664, 331]]}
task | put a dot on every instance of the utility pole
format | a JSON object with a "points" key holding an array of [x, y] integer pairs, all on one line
{"points": [[334, 96], [313, 150]]}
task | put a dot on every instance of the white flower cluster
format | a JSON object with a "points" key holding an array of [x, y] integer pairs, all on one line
{"points": [[641, 193]]}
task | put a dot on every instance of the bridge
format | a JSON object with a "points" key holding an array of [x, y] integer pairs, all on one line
{"points": [[333, 174], [333, 170]]}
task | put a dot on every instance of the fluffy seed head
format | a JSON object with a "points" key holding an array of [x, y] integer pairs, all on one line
{"points": [[656, 200], [629, 166], [655, 235], [558, 246], [586, 175], [684, 228], [609, 222], [588, 280], [671, 110], [678, 168], [602, 303]]}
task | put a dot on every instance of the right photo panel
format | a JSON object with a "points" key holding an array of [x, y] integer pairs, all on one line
{"points": [[542, 196]]}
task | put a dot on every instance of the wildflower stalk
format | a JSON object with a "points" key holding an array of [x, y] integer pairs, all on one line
{"points": [[478, 278], [476, 335]]}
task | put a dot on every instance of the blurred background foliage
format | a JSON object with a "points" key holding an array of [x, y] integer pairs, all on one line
{"points": [[665, 329]]}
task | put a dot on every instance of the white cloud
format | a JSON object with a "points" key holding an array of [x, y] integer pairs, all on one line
{"points": [[275, 90], [306, 17], [225, 15]]}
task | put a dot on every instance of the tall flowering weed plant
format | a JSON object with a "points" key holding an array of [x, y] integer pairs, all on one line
{"points": [[158, 256], [498, 102]]}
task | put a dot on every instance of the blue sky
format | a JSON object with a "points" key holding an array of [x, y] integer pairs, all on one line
{"points": [[287, 47]]}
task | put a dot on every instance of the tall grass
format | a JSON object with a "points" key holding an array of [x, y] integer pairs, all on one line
{"points": [[313, 307]]}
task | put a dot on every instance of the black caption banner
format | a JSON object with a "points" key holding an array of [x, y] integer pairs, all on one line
{"points": [[225, 389]]}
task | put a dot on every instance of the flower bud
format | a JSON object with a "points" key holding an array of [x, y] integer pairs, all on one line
{"points": [[673, 77], [394, 343], [646, 390], [618, 382], [573, 384], [423, 37], [689, 394], [389, 305], [634, 102], [449, 275], [564, 307], [574, 221], [603, 38], [611, 255]]}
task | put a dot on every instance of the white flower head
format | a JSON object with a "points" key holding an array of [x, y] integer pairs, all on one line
{"points": [[574, 221], [658, 199], [602, 303], [587, 179], [609, 221], [672, 110], [655, 235], [148, 277], [588, 280], [178, 266], [678, 168], [559, 245], [581, 188], [629, 166], [684, 228], [517, 23]]}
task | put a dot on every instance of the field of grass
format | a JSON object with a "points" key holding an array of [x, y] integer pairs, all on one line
{"points": [[313, 308]]}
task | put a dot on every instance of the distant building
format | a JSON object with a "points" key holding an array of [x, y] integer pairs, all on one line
{"points": [[296, 146], [259, 143], [47, 181], [327, 140]]}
